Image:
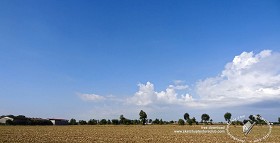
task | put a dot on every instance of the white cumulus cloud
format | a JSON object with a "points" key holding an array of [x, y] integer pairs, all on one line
{"points": [[249, 78], [146, 95]]}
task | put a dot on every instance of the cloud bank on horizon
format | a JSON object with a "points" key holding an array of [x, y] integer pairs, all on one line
{"points": [[249, 78]]}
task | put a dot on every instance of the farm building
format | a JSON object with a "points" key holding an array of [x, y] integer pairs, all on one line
{"points": [[59, 121], [4, 119]]}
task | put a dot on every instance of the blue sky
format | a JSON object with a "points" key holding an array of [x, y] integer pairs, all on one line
{"points": [[87, 59]]}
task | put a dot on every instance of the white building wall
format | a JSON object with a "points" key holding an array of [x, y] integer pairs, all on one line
{"points": [[4, 119]]}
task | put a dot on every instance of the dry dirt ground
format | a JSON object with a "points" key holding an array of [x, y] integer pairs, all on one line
{"points": [[131, 133]]}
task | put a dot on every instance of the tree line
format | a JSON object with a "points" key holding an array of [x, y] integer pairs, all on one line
{"points": [[143, 120]]}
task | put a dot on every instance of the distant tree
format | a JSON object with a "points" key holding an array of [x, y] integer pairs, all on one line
{"points": [[21, 120], [160, 122], [194, 121], [38, 121], [245, 121], [135, 122], [103, 122], [109, 122], [190, 121], [278, 119], [20, 117], [227, 116], [165, 122], [252, 118], [138, 121], [73, 122], [259, 119], [205, 118], [237, 122], [128, 122], [9, 122], [181, 122], [186, 116], [171, 122], [92, 122], [211, 121], [82, 122], [115, 122], [143, 117], [122, 118], [150, 121], [156, 121]]}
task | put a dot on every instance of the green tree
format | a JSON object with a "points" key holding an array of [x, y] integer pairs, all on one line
{"points": [[181, 122], [160, 122], [20, 117], [205, 118], [122, 118], [103, 122], [115, 121], [156, 121], [109, 122], [190, 121], [194, 120], [92, 122], [82, 122], [227, 116], [9, 122], [73, 122], [135, 122], [211, 121], [278, 119], [143, 117], [127, 122], [150, 121], [258, 119], [186, 116]]}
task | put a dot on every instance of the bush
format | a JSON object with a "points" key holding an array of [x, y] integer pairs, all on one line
{"points": [[181, 122], [190, 121], [103, 122], [82, 122], [156, 121], [73, 122], [115, 122], [92, 122]]}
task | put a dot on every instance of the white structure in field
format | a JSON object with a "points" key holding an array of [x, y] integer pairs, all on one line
{"points": [[4, 119], [59, 121]]}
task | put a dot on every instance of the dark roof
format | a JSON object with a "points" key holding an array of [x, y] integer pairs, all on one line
{"points": [[57, 119]]}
